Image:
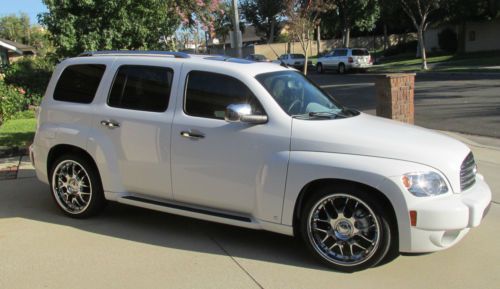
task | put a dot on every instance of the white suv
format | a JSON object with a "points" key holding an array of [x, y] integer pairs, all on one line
{"points": [[252, 145], [345, 59]]}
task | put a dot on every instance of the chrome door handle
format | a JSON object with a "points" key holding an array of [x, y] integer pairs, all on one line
{"points": [[192, 135], [110, 123]]}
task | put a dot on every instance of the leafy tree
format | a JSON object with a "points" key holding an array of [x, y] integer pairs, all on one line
{"points": [[303, 18], [16, 28], [265, 15], [359, 14], [391, 21], [222, 23], [78, 26], [419, 12]]}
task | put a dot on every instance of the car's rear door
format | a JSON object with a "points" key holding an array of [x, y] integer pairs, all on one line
{"points": [[132, 126]]}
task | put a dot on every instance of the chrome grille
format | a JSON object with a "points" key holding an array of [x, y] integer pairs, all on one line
{"points": [[468, 172]]}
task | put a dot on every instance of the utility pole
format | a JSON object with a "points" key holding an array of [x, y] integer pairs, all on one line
{"points": [[236, 42]]}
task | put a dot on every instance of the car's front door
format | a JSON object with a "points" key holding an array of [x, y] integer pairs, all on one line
{"points": [[228, 166]]}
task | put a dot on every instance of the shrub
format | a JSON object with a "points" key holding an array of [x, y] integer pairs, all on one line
{"points": [[30, 73], [448, 40], [12, 101], [410, 46]]}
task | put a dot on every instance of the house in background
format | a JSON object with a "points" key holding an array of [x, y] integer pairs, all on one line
{"points": [[10, 51], [479, 36]]}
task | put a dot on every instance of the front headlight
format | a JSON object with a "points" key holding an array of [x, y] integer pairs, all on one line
{"points": [[423, 184]]}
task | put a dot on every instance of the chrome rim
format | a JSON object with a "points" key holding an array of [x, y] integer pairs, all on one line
{"points": [[344, 230], [71, 187]]}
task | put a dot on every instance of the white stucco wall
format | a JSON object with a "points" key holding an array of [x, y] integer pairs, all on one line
{"points": [[487, 36]]}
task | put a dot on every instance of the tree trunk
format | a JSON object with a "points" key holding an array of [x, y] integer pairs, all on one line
{"points": [[347, 36], [461, 37], [306, 56], [271, 33], [421, 45], [318, 39], [386, 38]]}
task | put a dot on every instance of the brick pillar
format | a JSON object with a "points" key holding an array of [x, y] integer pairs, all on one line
{"points": [[395, 93]]}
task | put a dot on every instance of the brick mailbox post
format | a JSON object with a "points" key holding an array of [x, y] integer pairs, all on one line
{"points": [[395, 94]]}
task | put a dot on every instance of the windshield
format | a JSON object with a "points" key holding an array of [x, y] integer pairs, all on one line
{"points": [[301, 98], [297, 56]]}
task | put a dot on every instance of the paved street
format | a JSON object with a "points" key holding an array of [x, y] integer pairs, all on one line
{"points": [[129, 247], [461, 103]]}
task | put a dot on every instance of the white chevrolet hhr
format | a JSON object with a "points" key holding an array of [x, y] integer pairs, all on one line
{"points": [[255, 145]]}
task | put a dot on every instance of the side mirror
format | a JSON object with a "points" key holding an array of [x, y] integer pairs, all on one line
{"points": [[243, 113]]}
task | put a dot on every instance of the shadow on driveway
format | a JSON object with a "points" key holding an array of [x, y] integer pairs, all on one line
{"points": [[31, 199]]}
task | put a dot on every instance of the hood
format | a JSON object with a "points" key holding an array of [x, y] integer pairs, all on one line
{"points": [[379, 137]]}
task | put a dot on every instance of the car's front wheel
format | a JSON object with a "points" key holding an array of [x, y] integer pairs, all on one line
{"points": [[76, 186], [346, 228]]}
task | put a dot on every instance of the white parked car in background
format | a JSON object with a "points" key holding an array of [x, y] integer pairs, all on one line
{"points": [[345, 59], [294, 60], [252, 145]]}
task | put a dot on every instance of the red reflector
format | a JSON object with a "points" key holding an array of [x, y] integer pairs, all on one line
{"points": [[350, 60], [413, 218]]}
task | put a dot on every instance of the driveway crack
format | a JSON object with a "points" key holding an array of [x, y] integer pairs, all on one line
{"points": [[236, 262]]}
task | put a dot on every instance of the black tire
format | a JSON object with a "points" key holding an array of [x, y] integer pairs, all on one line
{"points": [[319, 68], [341, 68], [362, 209], [76, 178]]}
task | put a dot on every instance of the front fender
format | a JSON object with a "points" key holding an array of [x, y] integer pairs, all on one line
{"points": [[306, 167]]}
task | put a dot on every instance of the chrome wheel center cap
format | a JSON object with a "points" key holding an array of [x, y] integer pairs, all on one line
{"points": [[73, 186], [343, 229]]}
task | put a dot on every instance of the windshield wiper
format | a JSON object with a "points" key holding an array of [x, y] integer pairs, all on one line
{"points": [[316, 114]]}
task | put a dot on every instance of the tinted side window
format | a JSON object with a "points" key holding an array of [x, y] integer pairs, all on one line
{"points": [[79, 83], [342, 52], [360, 52], [208, 95], [141, 88]]}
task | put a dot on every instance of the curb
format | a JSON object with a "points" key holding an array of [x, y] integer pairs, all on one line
{"points": [[455, 73], [463, 137]]}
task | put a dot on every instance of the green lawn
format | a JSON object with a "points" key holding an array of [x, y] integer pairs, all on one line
{"points": [[477, 62], [17, 132]]}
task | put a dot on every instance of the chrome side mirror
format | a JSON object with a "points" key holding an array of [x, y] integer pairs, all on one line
{"points": [[243, 113]]}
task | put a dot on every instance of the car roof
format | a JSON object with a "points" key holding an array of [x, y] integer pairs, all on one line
{"points": [[215, 61]]}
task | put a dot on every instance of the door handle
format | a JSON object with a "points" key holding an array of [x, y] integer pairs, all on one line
{"points": [[192, 135], [110, 123]]}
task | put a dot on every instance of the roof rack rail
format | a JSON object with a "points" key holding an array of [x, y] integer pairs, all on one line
{"points": [[229, 59], [135, 52]]}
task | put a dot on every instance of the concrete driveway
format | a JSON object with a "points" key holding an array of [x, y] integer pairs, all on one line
{"points": [[128, 247]]}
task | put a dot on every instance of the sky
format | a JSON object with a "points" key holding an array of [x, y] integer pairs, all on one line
{"points": [[31, 7]]}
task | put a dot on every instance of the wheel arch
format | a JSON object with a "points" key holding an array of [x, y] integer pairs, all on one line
{"points": [[62, 149], [308, 191]]}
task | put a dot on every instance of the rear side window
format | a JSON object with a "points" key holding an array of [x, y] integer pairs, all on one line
{"points": [[79, 83], [208, 95], [360, 52], [340, 52], [144, 88]]}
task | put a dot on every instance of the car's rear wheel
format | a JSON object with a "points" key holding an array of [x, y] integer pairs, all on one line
{"points": [[76, 186], [319, 68], [341, 68], [346, 228]]}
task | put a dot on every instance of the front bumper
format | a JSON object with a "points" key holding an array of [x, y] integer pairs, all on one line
{"points": [[443, 221]]}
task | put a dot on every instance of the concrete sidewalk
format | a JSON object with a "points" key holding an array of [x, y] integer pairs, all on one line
{"points": [[128, 247]]}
